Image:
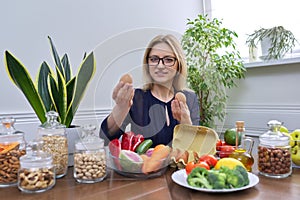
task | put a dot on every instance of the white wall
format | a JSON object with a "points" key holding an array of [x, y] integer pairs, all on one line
{"points": [[117, 31], [266, 93]]}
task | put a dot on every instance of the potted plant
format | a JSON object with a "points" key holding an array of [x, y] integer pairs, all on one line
{"points": [[55, 90], [60, 91], [275, 41], [214, 65]]}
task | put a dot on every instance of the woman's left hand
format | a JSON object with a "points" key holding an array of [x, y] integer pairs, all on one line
{"points": [[181, 112]]}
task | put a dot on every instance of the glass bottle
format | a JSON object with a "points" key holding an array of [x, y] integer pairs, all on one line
{"points": [[274, 152], [53, 135], [89, 157], [241, 152], [36, 173], [12, 147]]}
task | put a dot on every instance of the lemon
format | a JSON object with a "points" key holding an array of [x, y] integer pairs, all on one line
{"points": [[228, 162]]}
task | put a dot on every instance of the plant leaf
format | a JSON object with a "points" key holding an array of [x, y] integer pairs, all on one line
{"points": [[67, 68], [58, 94], [84, 75], [21, 78], [42, 79], [56, 58]]}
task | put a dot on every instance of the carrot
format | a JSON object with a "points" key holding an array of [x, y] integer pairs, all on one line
{"points": [[156, 160]]}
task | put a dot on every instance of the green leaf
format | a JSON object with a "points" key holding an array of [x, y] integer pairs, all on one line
{"points": [[67, 68], [84, 75], [58, 94], [21, 78], [56, 58], [43, 85]]}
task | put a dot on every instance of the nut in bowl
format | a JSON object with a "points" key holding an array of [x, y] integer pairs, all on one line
{"points": [[133, 165]]}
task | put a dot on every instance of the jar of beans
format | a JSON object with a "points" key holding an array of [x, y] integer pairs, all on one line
{"points": [[89, 157], [12, 147], [274, 152], [53, 135]]}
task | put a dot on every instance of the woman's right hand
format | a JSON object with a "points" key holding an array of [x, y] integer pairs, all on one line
{"points": [[122, 95]]}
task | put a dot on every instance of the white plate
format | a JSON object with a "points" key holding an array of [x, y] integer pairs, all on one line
{"points": [[180, 177]]}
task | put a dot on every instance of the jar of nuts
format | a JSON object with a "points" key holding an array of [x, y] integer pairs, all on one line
{"points": [[12, 147], [89, 157], [36, 173], [53, 135], [274, 152]]}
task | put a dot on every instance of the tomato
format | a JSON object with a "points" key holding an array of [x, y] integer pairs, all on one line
{"points": [[219, 144], [209, 159], [226, 150], [202, 164], [189, 167]]}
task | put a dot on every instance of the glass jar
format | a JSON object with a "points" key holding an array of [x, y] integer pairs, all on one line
{"points": [[89, 157], [36, 173], [243, 152], [274, 152], [12, 147], [55, 142]]}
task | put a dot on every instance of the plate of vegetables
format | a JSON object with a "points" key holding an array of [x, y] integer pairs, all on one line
{"points": [[216, 181]]}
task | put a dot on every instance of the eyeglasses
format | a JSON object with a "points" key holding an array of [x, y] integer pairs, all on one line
{"points": [[167, 61]]}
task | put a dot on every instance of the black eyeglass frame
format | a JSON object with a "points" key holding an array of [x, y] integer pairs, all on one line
{"points": [[162, 60]]}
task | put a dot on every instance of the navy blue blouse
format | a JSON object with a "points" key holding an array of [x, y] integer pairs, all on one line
{"points": [[147, 116]]}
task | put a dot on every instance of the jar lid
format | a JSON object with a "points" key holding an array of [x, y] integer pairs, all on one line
{"points": [[52, 126], [273, 136], [88, 139], [7, 127], [35, 157]]}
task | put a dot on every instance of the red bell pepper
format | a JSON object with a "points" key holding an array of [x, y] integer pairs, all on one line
{"points": [[115, 149], [137, 140], [127, 140]]}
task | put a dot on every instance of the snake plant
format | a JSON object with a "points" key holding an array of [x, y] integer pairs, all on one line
{"points": [[55, 90]]}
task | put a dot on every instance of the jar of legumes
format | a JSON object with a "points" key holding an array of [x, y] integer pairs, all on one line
{"points": [[89, 157], [274, 152]]}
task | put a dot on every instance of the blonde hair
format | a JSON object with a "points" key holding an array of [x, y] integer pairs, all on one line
{"points": [[179, 82]]}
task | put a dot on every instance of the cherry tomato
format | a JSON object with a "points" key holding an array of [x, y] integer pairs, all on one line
{"points": [[209, 159], [226, 150], [218, 145], [189, 167], [202, 164]]}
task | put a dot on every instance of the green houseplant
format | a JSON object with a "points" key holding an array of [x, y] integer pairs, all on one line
{"points": [[54, 90], [278, 40], [214, 65]]}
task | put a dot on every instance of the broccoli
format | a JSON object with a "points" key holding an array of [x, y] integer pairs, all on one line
{"points": [[198, 178], [235, 179], [217, 179], [244, 173]]}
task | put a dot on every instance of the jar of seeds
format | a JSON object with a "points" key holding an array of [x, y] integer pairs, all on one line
{"points": [[12, 147], [54, 138], [36, 172], [89, 157]]}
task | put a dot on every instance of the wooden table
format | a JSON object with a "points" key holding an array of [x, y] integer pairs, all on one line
{"points": [[116, 187]]}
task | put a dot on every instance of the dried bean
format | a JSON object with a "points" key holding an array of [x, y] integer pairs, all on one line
{"points": [[90, 166], [9, 166]]}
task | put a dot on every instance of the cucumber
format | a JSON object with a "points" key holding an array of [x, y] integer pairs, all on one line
{"points": [[144, 146]]}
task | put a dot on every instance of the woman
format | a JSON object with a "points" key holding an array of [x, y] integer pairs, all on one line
{"points": [[153, 111]]}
